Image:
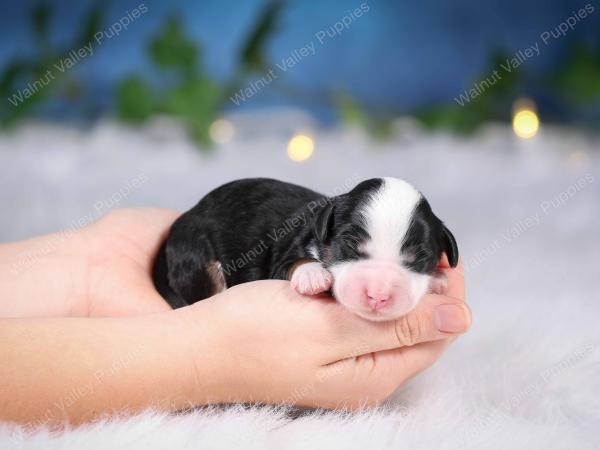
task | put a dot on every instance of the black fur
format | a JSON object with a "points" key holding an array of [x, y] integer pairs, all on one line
{"points": [[259, 228], [254, 227], [426, 239], [346, 227]]}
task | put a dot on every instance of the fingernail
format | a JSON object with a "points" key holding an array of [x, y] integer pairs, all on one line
{"points": [[451, 319]]}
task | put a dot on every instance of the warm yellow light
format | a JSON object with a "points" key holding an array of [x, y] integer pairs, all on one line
{"points": [[221, 131], [526, 123], [300, 148]]}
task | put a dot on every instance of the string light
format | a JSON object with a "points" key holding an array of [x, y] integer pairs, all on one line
{"points": [[221, 131], [300, 147], [526, 123]]}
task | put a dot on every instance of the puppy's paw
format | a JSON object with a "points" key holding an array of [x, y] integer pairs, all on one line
{"points": [[438, 283], [311, 278]]}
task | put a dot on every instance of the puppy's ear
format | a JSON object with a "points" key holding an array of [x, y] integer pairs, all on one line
{"points": [[324, 221], [450, 247]]}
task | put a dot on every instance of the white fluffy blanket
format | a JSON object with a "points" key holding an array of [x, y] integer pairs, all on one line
{"points": [[526, 217]]}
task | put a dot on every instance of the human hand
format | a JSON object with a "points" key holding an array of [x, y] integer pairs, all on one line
{"points": [[257, 342], [277, 346], [100, 270], [120, 250]]}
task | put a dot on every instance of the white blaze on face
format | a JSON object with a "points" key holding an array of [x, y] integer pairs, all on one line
{"points": [[388, 215], [380, 287]]}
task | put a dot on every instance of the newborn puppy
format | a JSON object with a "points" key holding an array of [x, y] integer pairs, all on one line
{"points": [[376, 248]]}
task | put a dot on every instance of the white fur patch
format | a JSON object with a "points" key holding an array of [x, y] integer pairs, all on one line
{"points": [[312, 251], [388, 215], [419, 285], [339, 268]]}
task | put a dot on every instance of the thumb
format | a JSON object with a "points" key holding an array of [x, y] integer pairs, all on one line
{"points": [[436, 317]]}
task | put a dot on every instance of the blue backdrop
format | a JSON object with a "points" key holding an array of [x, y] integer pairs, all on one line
{"points": [[396, 55]]}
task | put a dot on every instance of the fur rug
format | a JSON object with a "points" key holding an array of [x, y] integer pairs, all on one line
{"points": [[525, 214]]}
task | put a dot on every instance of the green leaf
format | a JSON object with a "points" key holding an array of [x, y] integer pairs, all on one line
{"points": [[455, 118], [13, 114], [378, 125], [135, 102], [40, 20], [14, 79], [381, 128], [253, 53], [15, 70], [197, 103], [493, 103], [579, 76], [349, 110], [509, 82], [172, 49], [92, 23], [15, 75]]}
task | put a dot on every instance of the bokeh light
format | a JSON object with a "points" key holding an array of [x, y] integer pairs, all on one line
{"points": [[221, 131], [300, 147], [526, 123]]}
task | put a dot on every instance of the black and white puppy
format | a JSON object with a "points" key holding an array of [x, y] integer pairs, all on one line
{"points": [[376, 248]]}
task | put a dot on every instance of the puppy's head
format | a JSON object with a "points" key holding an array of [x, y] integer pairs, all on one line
{"points": [[382, 243]]}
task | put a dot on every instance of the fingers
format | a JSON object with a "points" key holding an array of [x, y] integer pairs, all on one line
{"points": [[456, 278], [347, 335], [436, 317], [392, 368], [377, 375], [400, 364], [154, 224], [146, 227], [409, 361]]}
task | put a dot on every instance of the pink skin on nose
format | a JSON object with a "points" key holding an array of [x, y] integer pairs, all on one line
{"points": [[377, 301], [376, 290]]}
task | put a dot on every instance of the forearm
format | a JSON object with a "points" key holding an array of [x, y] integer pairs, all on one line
{"points": [[58, 370], [47, 264]]}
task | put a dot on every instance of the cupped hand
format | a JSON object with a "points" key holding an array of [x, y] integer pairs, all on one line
{"points": [[119, 251], [277, 346], [103, 269], [274, 345], [266, 343]]}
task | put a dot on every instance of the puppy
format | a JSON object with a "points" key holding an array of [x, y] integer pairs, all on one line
{"points": [[375, 248]]}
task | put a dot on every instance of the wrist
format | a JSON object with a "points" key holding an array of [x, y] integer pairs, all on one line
{"points": [[206, 373]]}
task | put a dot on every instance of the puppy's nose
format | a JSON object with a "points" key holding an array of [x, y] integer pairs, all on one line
{"points": [[377, 300]]}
